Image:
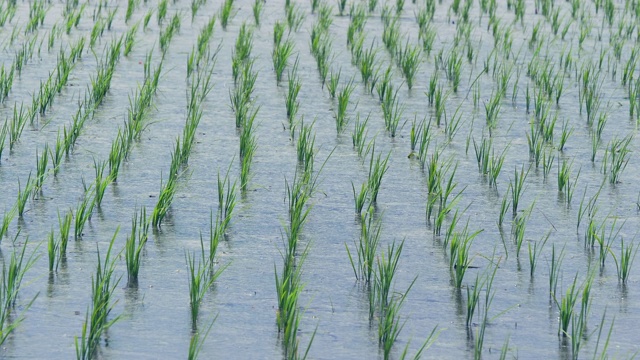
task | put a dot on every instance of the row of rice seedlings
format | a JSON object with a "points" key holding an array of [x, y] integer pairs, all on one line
{"points": [[97, 319], [166, 35], [321, 48], [200, 88], [12, 276], [135, 244]]}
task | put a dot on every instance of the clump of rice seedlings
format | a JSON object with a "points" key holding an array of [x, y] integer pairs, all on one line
{"points": [[360, 198], [291, 102], [392, 111], [6, 221], [566, 132], [6, 82], [257, 8], [101, 84], [388, 305], [305, 148], [295, 17], [321, 50], [37, 12], [460, 247], [53, 247], [64, 224], [147, 19], [378, 166], [241, 97], [616, 158], [101, 182], [24, 194], [518, 228], [565, 306], [226, 204], [131, 7], [440, 99], [135, 244], [343, 102], [129, 39], [453, 67], [200, 281], [445, 200], [166, 35], [492, 110], [623, 264], [97, 319], [359, 136], [162, 11], [534, 253], [83, 213], [367, 64], [16, 125], [554, 269], [334, 81], [41, 168], [366, 248], [226, 13], [391, 35], [96, 32], [167, 192], [282, 51], [517, 187], [342, 6], [408, 60]]}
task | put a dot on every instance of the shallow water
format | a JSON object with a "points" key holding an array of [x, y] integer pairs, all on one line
{"points": [[155, 320]]}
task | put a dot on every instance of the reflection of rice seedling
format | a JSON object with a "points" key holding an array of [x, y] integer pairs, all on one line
{"points": [[623, 264], [134, 245]]}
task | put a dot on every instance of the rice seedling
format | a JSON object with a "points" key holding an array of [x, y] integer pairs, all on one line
{"points": [[366, 248], [392, 111], [359, 135], [554, 269], [343, 102], [6, 82], [295, 17], [162, 11], [624, 263], [518, 228], [566, 132], [534, 253], [504, 207], [135, 244], [83, 213], [460, 247], [305, 148], [391, 35], [101, 181], [389, 326], [226, 13], [97, 320], [565, 306], [377, 168], [41, 168], [291, 102], [199, 283], [52, 250], [24, 194], [257, 9], [440, 99], [334, 81], [16, 125], [147, 19], [616, 158], [282, 51], [248, 146], [6, 221], [198, 338], [64, 224], [129, 39], [226, 204], [517, 187], [166, 35]]}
